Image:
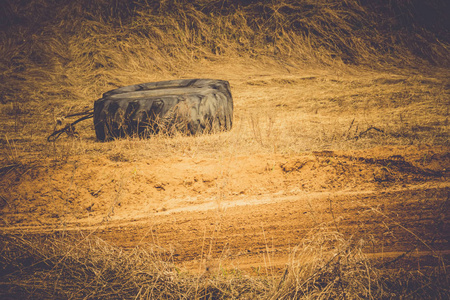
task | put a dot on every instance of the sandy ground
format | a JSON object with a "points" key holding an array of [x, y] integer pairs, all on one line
{"points": [[247, 208], [242, 211]]}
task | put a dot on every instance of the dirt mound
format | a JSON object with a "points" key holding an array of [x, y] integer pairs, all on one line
{"points": [[85, 191]]}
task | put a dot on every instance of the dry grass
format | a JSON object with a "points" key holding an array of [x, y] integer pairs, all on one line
{"points": [[77, 51], [88, 268], [329, 267], [326, 266], [279, 113], [306, 75], [60, 58]]}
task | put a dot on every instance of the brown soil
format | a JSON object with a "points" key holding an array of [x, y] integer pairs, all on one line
{"points": [[241, 211]]}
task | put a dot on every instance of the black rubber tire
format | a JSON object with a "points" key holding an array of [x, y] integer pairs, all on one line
{"points": [[190, 106]]}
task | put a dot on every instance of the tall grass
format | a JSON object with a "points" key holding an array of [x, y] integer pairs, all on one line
{"points": [[76, 50]]}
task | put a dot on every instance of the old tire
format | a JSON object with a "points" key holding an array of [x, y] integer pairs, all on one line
{"points": [[190, 106]]}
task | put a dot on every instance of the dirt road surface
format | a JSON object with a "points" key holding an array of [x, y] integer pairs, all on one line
{"points": [[248, 212]]}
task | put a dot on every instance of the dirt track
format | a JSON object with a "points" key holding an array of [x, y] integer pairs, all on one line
{"points": [[244, 211], [243, 234]]}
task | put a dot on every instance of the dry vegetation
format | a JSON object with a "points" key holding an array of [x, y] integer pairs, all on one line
{"points": [[326, 266], [354, 94]]}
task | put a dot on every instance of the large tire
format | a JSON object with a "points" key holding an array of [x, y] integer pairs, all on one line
{"points": [[190, 106]]}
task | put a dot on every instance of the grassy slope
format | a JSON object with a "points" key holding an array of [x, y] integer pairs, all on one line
{"points": [[52, 50]]}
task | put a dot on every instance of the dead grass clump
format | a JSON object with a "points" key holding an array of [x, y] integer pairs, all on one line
{"points": [[327, 266], [89, 268]]}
